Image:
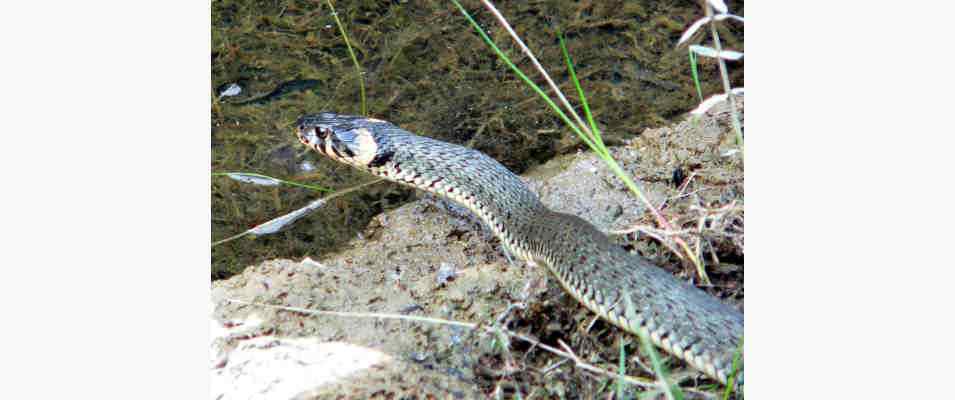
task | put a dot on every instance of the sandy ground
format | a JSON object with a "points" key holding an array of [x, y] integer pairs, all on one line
{"points": [[430, 258]]}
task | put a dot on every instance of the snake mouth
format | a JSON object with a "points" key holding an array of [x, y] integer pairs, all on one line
{"points": [[345, 143], [313, 136], [322, 138]]}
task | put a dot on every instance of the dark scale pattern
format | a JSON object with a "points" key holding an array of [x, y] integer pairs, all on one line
{"points": [[680, 318]]}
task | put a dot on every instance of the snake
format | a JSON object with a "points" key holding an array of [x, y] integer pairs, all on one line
{"points": [[622, 288]]}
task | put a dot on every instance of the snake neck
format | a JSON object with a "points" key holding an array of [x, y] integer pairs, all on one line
{"points": [[467, 177]]}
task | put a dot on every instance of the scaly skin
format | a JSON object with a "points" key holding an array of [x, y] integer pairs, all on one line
{"points": [[620, 287]]}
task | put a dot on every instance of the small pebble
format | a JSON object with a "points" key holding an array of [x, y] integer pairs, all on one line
{"points": [[446, 273], [307, 166], [308, 261]]}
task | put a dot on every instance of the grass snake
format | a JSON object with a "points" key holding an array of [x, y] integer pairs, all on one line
{"points": [[622, 288]]}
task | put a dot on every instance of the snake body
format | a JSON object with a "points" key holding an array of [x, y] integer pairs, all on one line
{"points": [[620, 287]]}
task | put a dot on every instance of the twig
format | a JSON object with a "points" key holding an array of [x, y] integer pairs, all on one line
{"points": [[529, 54], [566, 354], [726, 81], [551, 367], [650, 231], [351, 53], [278, 223]]}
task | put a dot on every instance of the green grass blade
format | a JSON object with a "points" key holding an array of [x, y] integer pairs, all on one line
{"points": [[622, 370], [696, 77], [523, 77], [580, 92], [672, 391], [731, 382], [351, 53]]}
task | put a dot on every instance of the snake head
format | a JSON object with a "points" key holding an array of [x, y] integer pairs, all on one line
{"points": [[343, 138]]}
